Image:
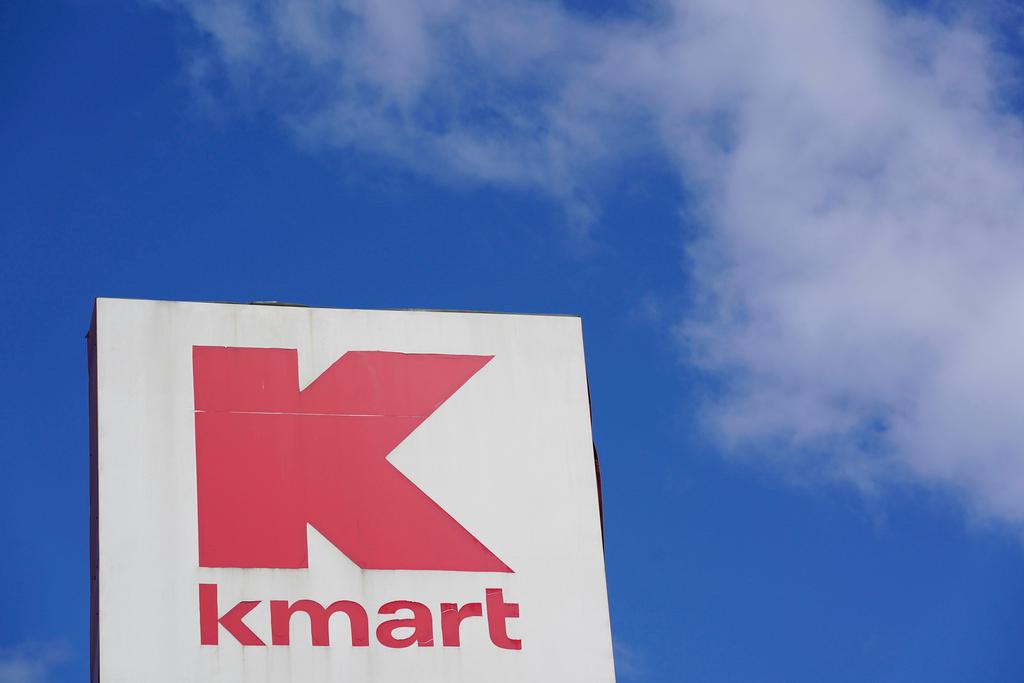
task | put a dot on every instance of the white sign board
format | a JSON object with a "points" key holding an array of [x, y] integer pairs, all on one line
{"points": [[287, 494]]}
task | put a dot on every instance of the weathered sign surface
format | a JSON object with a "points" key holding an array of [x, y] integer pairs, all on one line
{"points": [[286, 494]]}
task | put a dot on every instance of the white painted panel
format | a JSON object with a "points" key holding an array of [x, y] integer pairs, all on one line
{"points": [[508, 455]]}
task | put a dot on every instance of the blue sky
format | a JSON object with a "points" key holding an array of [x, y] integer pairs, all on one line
{"points": [[796, 263]]}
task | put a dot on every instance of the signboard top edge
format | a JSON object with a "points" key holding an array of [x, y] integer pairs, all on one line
{"points": [[100, 299]]}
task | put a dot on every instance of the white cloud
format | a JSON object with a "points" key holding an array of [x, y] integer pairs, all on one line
{"points": [[860, 293], [30, 663], [630, 662]]}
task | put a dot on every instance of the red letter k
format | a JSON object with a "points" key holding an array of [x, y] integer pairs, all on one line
{"points": [[272, 459], [231, 621]]}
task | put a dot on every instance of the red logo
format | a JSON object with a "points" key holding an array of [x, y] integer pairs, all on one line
{"points": [[499, 613], [271, 458]]}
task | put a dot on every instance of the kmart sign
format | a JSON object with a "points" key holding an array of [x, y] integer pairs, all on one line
{"points": [[296, 494]]}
